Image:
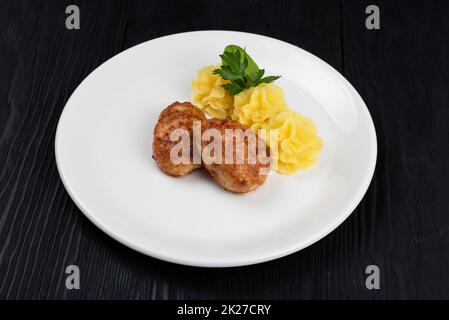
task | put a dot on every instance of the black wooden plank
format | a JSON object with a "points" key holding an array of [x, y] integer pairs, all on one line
{"points": [[401, 224], [400, 71]]}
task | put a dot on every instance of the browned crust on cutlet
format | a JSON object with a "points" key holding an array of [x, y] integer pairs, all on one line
{"points": [[177, 115], [239, 178]]}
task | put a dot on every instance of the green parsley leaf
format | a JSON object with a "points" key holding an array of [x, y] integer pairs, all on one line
{"points": [[233, 89], [242, 72], [269, 79]]}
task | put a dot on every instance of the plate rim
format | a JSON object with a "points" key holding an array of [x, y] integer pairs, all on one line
{"points": [[345, 212]]}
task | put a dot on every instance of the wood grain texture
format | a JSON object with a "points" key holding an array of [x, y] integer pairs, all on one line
{"points": [[402, 224]]}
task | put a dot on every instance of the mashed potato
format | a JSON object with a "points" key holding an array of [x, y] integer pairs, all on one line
{"points": [[298, 142], [210, 96], [262, 107], [254, 107]]}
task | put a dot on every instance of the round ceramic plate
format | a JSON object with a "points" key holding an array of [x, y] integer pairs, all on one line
{"points": [[103, 152]]}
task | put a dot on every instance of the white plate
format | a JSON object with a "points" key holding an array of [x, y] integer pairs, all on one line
{"points": [[103, 153]]}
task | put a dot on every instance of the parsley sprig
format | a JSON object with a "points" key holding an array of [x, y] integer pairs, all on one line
{"points": [[242, 72]]}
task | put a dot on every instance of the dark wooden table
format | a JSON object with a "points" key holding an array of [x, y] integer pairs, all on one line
{"points": [[402, 224]]}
